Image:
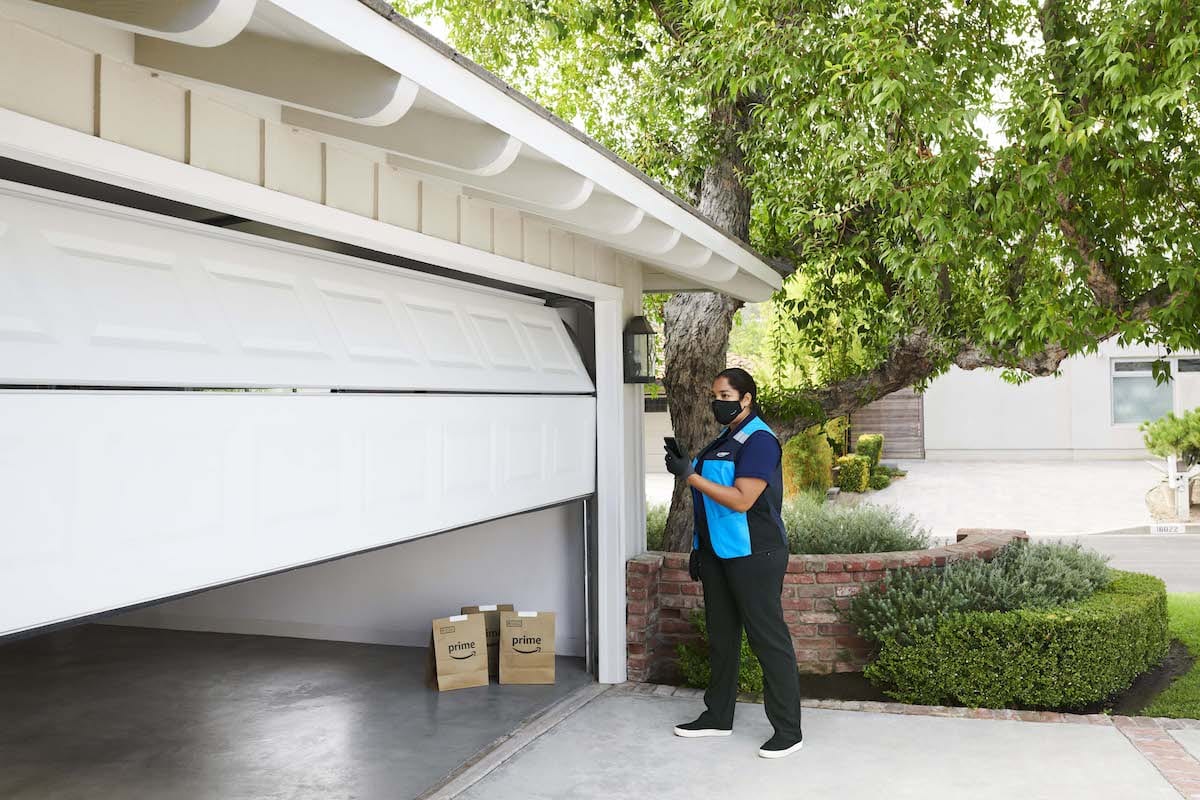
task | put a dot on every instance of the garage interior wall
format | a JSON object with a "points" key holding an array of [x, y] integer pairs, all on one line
{"points": [[389, 596]]}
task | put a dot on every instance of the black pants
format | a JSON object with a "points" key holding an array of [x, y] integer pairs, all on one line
{"points": [[746, 592]]}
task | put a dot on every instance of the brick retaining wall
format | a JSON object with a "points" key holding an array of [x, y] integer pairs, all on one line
{"points": [[660, 597]]}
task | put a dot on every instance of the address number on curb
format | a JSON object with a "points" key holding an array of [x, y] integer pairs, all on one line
{"points": [[1168, 527]]}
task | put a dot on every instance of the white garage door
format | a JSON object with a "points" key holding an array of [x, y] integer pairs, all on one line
{"points": [[121, 496]]}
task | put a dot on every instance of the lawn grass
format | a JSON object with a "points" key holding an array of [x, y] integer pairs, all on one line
{"points": [[1182, 698]]}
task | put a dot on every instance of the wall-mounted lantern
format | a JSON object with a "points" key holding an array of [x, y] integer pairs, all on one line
{"points": [[639, 351]]}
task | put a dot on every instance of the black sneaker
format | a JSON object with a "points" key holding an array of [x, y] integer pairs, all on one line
{"points": [[699, 728], [779, 746]]}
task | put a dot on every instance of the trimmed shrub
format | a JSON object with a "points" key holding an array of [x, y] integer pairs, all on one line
{"points": [[879, 480], [814, 527], [693, 661], [853, 473], [871, 446], [910, 603], [1062, 657], [656, 524], [807, 463]]}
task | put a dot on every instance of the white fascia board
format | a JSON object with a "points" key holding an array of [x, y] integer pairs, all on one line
{"points": [[45, 144], [363, 30]]}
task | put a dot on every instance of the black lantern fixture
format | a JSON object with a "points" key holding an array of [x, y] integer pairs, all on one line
{"points": [[639, 351]]}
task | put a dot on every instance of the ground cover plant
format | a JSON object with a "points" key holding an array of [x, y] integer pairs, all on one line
{"points": [[1182, 698]]}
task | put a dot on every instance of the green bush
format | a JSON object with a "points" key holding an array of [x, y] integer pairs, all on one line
{"points": [[871, 446], [656, 524], [911, 602], [879, 480], [853, 474], [693, 661], [807, 463], [837, 431], [814, 527], [1172, 435], [1062, 657]]}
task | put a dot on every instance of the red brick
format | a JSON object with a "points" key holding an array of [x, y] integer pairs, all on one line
{"points": [[819, 616], [675, 626], [815, 591], [669, 588], [833, 577], [806, 578], [792, 577], [847, 666], [679, 601], [795, 564], [814, 565], [874, 564], [837, 629], [637, 607], [803, 630], [814, 643], [848, 591], [636, 594], [637, 621], [824, 604], [635, 649], [870, 576], [691, 588], [797, 604], [835, 566], [678, 561], [675, 575], [842, 603], [637, 581], [854, 566]]}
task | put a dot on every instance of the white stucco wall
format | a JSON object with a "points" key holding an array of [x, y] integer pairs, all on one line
{"points": [[974, 414], [534, 561]]}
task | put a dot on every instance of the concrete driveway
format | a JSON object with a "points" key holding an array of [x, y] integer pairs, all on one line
{"points": [[620, 745], [1040, 497]]}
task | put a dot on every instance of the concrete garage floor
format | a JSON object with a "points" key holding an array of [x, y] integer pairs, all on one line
{"points": [[111, 712]]}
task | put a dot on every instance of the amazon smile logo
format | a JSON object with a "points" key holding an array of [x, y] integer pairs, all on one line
{"points": [[459, 647], [534, 642]]}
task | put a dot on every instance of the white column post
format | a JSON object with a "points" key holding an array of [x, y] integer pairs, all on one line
{"points": [[611, 514]]}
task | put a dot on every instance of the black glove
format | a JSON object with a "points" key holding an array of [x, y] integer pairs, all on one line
{"points": [[694, 565], [678, 465]]}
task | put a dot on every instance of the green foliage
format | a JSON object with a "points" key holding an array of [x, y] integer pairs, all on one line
{"points": [[871, 446], [656, 524], [693, 661], [910, 602], [854, 472], [893, 472], [807, 463], [814, 526], [943, 175], [837, 430], [1061, 657], [1172, 435], [879, 480], [1182, 698]]}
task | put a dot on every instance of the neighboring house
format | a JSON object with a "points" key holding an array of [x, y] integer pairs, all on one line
{"points": [[1091, 411], [289, 280]]}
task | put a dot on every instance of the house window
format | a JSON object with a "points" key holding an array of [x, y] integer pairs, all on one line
{"points": [[1135, 396]]}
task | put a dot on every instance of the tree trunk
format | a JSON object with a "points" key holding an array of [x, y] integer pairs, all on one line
{"points": [[697, 324], [697, 334]]}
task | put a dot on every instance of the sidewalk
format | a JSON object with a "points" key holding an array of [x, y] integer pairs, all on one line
{"points": [[620, 745]]}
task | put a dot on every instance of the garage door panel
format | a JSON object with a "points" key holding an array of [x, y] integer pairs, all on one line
{"points": [[92, 294], [118, 498]]}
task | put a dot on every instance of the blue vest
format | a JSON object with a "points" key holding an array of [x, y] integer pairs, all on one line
{"points": [[733, 534]]}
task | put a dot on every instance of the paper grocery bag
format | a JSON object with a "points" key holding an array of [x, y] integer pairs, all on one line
{"points": [[457, 653], [491, 623], [526, 647]]}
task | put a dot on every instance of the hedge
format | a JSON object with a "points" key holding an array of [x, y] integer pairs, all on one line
{"points": [[880, 480], [807, 462], [853, 473], [1058, 658], [871, 446]]}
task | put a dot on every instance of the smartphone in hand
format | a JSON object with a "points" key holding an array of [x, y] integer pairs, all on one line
{"points": [[673, 446]]}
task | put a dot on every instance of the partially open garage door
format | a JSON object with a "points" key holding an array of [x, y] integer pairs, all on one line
{"points": [[481, 407]]}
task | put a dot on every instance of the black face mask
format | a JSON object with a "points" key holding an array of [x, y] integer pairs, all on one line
{"points": [[724, 411]]}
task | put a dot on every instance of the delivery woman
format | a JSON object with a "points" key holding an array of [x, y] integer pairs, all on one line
{"points": [[739, 551]]}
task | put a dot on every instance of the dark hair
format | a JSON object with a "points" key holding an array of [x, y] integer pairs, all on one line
{"points": [[742, 381]]}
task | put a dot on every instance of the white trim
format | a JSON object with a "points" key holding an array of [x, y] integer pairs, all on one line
{"points": [[363, 30], [45, 144]]}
